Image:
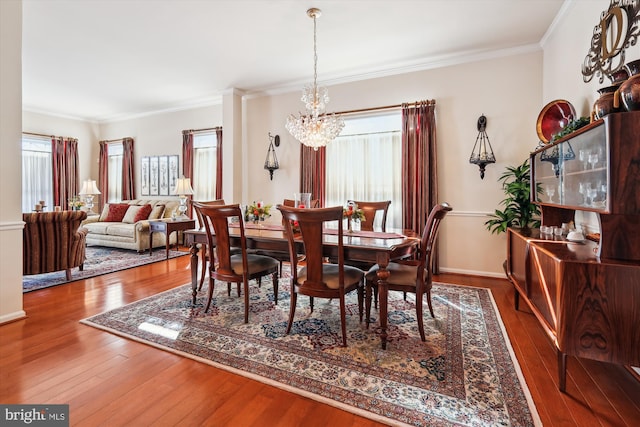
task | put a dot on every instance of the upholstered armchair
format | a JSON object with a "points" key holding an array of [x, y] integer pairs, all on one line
{"points": [[53, 241]]}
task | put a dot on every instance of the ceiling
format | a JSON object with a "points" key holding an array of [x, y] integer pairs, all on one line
{"points": [[101, 60]]}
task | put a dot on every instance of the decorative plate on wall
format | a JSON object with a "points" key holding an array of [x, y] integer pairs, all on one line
{"points": [[553, 117]]}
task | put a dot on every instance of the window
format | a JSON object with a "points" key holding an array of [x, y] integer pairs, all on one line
{"points": [[37, 174], [115, 172], [205, 147], [365, 163]]}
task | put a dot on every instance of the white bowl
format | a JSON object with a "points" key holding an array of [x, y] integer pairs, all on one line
{"points": [[575, 236]]}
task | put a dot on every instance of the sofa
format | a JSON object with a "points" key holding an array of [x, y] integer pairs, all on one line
{"points": [[125, 224], [53, 241]]}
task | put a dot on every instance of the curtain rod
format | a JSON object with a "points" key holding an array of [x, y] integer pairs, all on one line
{"points": [[114, 140], [203, 129], [387, 107], [40, 134]]}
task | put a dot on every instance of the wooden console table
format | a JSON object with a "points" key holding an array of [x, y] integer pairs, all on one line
{"points": [[168, 227]]}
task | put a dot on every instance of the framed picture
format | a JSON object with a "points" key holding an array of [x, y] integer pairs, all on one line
{"points": [[144, 176], [174, 172], [164, 175], [154, 174]]}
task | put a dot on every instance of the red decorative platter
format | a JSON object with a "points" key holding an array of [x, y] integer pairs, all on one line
{"points": [[553, 117]]}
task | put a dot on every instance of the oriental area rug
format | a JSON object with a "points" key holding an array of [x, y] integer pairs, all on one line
{"points": [[99, 260], [464, 374]]}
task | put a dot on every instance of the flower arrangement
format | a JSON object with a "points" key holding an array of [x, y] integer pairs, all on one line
{"points": [[257, 211], [75, 203], [352, 213]]}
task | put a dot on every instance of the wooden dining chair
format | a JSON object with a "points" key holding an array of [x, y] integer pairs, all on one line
{"points": [[234, 268], [370, 210], [415, 275], [317, 278], [283, 256], [205, 253]]}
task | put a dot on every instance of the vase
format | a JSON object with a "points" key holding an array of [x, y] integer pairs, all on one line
{"points": [[630, 89], [607, 102], [350, 225]]}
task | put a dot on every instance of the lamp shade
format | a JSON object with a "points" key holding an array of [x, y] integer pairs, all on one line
{"points": [[89, 188], [183, 187]]}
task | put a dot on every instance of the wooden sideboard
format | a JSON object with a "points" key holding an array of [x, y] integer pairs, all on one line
{"points": [[586, 295], [588, 306]]}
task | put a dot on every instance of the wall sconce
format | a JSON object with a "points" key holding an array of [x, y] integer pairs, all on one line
{"points": [[271, 162], [482, 153]]}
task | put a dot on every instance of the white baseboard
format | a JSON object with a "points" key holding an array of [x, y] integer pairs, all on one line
{"points": [[12, 316], [473, 272]]}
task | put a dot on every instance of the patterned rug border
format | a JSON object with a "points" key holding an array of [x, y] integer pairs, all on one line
{"points": [[332, 402], [158, 256]]}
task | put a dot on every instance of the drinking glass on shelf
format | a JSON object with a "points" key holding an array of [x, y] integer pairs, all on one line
{"points": [[593, 160], [551, 191], [584, 158], [592, 193]]}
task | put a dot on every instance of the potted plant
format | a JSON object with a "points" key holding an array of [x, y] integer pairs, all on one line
{"points": [[518, 210]]}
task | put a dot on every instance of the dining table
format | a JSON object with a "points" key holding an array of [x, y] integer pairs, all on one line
{"points": [[364, 246]]}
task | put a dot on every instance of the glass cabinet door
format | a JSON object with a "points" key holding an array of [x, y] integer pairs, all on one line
{"points": [[574, 173]]}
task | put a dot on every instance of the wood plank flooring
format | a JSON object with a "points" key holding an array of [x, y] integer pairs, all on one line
{"points": [[50, 357]]}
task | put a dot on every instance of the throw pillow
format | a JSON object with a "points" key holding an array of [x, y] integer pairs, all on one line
{"points": [[156, 212], [105, 212], [117, 211], [141, 212]]}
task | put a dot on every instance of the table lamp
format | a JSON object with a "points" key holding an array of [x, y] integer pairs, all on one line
{"points": [[89, 190], [183, 189]]}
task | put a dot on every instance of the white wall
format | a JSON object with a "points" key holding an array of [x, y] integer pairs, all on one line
{"points": [[507, 90], [10, 165]]}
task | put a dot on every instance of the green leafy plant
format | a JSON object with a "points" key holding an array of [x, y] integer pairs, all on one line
{"points": [[571, 127], [518, 210]]}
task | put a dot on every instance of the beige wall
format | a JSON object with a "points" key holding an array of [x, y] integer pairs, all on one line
{"points": [[10, 166]]}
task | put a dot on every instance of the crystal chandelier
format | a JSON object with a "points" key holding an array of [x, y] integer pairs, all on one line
{"points": [[316, 128]]}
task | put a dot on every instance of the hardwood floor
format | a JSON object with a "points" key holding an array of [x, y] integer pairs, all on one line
{"points": [[50, 357]]}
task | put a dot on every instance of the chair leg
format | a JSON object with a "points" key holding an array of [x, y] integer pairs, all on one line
{"points": [[246, 299], [204, 271], [375, 296], [275, 287], [68, 273], [211, 285], [419, 316], [429, 302], [311, 303], [360, 300], [368, 292], [229, 289], [343, 320], [292, 310]]}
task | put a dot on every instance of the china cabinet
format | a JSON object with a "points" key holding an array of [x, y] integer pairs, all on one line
{"points": [[585, 294]]}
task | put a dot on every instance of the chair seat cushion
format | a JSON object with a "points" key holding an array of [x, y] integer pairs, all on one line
{"points": [[330, 274], [399, 274], [257, 263]]}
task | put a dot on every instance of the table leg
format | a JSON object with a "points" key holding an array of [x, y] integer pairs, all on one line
{"points": [[383, 291], [167, 244], [194, 271]]}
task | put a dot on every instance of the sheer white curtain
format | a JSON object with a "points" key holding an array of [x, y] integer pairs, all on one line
{"points": [[366, 167], [204, 166], [115, 172], [37, 181]]}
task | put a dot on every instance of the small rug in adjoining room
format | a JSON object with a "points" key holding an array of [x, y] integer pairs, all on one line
{"points": [[99, 260], [464, 374]]}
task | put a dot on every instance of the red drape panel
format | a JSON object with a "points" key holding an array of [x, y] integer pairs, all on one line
{"points": [[64, 155], [72, 176], [103, 174], [128, 178], [420, 185], [313, 172], [57, 168], [187, 154], [219, 164]]}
